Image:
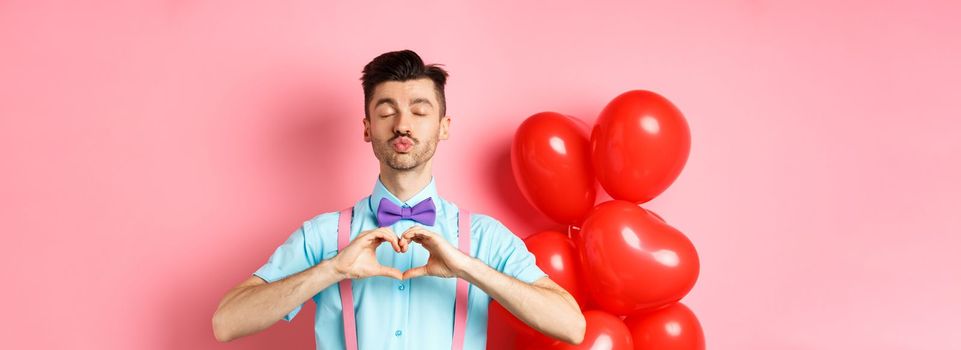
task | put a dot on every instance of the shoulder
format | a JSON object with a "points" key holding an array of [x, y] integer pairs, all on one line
{"points": [[483, 227], [321, 221], [326, 222], [484, 221], [491, 229], [322, 226], [315, 228]]}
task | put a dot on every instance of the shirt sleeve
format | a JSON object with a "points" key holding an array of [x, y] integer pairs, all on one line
{"points": [[512, 256], [293, 256]]}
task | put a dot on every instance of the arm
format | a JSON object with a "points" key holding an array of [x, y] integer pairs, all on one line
{"points": [[254, 305], [543, 305]]}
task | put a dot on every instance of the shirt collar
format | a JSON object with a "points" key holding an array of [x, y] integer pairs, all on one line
{"points": [[380, 191]]}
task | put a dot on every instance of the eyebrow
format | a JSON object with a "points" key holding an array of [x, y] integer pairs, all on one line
{"points": [[391, 101], [386, 100], [421, 100]]}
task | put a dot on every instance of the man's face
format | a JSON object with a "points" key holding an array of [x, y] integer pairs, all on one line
{"points": [[405, 123]]}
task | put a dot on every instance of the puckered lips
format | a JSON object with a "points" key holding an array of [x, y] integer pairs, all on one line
{"points": [[402, 144]]}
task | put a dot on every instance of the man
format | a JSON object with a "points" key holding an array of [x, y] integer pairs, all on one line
{"points": [[404, 292]]}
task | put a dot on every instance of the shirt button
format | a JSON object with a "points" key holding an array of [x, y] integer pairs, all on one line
{"points": [[401, 287], [398, 333]]}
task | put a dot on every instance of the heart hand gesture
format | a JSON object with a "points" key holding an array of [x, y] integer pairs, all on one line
{"points": [[359, 258], [445, 260]]}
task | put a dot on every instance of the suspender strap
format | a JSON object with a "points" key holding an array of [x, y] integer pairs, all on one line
{"points": [[460, 304], [346, 292], [347, 296]]}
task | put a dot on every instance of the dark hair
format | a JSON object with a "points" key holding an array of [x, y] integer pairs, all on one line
{"points": [[402, 66]]}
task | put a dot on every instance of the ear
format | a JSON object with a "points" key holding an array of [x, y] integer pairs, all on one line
{"points": [[444, 127], [366, 129]]}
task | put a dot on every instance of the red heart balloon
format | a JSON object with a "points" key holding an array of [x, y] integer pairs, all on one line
{"points": [[574, 233], [632, 261], [604, 332], [550, 158], [639, 145], [558, 258], [673, 327], [655, 215]]}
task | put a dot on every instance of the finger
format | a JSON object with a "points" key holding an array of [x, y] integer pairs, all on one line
{"points": [[389, 237], [422, 236], [404, 243], [390, 272], [376, 236], [387, 230], [415, 272], [374, 232], [378, 231], [425, 232], [412, 229], [368, 237], [415, 234], [406, 238]]}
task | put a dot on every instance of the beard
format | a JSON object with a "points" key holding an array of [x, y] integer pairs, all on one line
{"points": [[419, 153]]}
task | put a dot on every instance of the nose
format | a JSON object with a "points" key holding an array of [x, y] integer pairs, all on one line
{"points": [[402, 123]]}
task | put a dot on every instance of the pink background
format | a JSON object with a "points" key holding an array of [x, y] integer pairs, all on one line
{"points": [[156, 152]]}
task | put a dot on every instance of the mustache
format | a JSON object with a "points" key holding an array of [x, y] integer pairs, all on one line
{"points": [[407, 135]]}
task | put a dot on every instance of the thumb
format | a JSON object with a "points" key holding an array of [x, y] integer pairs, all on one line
{"points": [[390, 272], [415, 272]]}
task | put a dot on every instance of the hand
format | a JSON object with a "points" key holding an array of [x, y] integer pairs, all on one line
{"points": [[359, 258], [445, 260]]}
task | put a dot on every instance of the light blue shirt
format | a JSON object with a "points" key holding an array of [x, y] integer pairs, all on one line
{"points": [[416, 313]]}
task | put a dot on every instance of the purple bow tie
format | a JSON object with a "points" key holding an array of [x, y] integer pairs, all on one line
{"points": [[388, 213]]}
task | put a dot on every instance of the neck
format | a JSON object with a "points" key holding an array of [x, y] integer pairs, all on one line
{"points": [[404, 184]]}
